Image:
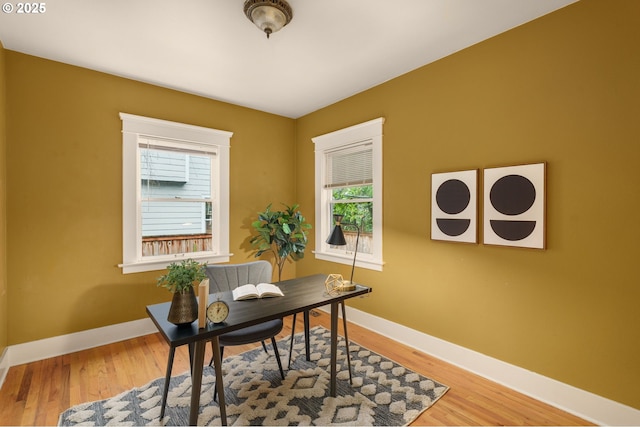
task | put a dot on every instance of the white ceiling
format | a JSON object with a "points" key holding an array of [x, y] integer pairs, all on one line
{"points": [[332, 49]]}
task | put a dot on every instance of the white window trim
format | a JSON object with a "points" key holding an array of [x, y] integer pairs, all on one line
{"points": [[370, 131], [134, 126]]}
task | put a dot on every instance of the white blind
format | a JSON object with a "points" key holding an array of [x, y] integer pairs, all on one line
{"points": [[350, 166], [185, 147]]}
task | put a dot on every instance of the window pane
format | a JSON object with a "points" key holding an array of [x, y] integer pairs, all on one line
{"points": [[170, 174], [169, 225], [360, 213], [353, 193], [176, 227]]}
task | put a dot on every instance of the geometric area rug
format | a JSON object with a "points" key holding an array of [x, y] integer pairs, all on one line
{"points": [[383, 392]]}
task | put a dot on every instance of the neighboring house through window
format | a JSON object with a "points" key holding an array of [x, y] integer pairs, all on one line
{"points": [[175, 193], [348, 181]]}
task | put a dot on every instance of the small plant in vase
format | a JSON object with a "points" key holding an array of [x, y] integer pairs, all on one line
{"points": [[180, 279]]}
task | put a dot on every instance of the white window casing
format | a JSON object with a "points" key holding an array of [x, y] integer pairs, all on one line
{"points": [[137, 131], [359, 144]]}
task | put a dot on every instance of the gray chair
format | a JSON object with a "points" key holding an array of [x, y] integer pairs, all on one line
{"points": [[228, 277]]}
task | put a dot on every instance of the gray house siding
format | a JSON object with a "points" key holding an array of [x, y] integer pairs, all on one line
{"points": [[170, 175]]}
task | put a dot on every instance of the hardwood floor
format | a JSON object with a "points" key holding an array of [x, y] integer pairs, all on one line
{"points": [[36, 393]]}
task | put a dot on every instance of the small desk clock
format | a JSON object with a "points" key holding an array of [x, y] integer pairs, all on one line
{"points": [[217, 311]]}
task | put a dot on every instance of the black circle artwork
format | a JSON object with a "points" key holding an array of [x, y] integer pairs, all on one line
{"points": [[453, 196], [512, 195]]}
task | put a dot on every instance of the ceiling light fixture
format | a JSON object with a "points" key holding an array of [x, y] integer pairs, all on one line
{"points": [[268, 15]]}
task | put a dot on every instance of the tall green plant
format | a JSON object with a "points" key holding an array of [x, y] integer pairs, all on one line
{"points": [[283, 233]]}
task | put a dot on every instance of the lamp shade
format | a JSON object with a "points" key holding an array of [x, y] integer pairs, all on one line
{"points": [[337, 236]]}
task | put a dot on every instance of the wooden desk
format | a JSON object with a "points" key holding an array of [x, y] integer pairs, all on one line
{"points": [[301, 294]]}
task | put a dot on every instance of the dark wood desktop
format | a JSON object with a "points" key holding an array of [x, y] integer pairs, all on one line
{"points": [[300, 295]]}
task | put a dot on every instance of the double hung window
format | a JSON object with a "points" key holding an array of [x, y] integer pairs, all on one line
{"points": [[348, 166], [175, 193]]}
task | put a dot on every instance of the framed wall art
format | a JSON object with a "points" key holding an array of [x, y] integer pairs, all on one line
{"points": [[514, 206], [454, 206]]}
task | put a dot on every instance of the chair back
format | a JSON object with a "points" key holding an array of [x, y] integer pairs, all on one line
{"points": [[229, 276]]}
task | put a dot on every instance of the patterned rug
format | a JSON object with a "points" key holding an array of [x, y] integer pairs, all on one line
{"points": [[383, 392]]}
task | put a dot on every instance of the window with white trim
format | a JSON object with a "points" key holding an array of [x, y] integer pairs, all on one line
{"points": [[348, 181], [175, 186]]}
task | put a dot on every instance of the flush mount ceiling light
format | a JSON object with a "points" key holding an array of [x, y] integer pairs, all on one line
{"points": [[268, 15]]}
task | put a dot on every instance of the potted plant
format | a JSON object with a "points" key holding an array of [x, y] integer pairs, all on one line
{"points": [[282, 233], [180, 279]]}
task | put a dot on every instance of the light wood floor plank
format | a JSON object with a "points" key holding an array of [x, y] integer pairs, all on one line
{"points": [[36, 393]]}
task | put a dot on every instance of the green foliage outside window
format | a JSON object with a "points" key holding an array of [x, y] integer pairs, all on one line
{"points": [[353, 211]]}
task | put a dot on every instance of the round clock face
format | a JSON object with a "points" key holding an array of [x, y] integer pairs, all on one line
{"points": [[217, 311]]}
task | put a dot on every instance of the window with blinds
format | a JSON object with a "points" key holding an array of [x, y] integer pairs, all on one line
{"points": [[349, 183], [175, 193]]}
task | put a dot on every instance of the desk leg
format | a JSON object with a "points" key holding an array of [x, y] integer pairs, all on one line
{"points": [[217, 364], [346, 339], [167, 378], [334, 348], [191, 355], [293, 333], [306, 335], [196, 381]]}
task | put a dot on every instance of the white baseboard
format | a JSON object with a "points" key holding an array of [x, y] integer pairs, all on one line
{"points": [[64, 344], [4, 365], [581, 403]]}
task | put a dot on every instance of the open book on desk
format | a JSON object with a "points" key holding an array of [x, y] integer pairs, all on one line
{"points": [[261, 290]]}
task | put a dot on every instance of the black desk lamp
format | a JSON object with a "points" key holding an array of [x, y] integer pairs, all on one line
{"points": [[336, 238]]}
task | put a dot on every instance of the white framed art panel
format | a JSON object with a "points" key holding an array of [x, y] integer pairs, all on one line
{"points": [[454, 206], [514, 206]]}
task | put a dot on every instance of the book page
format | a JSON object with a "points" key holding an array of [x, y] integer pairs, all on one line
{"points": [[269, 290], [245, 292]]}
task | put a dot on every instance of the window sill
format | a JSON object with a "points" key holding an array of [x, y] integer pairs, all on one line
{"points": [[162, 263], [369, 264]]}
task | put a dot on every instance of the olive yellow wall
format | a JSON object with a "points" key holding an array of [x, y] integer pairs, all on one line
{"points": [[64, 190], [563, 89], [3, 211]]}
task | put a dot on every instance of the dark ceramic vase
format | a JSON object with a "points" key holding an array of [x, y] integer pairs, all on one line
{"points": [[184, 308]]}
